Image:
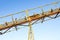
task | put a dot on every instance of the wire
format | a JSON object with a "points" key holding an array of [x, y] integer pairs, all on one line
{"points": [[17, 28], [31, 9], [36, 22], [4, 32]]}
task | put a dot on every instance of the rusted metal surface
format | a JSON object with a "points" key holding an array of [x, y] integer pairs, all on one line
{"points": [[32, 18]]}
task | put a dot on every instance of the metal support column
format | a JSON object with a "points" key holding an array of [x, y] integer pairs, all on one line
{"points": [[30, 32]]}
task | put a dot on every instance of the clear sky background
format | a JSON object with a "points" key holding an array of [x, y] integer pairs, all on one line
{"points": [[49, 30]]}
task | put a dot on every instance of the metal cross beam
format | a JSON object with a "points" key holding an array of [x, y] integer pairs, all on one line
{"points": [[33, 17]]}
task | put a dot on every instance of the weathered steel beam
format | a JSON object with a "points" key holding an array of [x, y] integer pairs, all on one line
{"points": [[32, 18]]}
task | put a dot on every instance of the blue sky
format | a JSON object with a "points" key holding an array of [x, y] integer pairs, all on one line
{"points": [[49, 30]]}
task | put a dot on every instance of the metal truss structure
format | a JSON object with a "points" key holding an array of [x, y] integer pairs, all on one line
{"points": [[52, 14]]}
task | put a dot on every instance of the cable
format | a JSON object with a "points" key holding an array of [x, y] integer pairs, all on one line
{"points": [[31, 9], [4, 32]]}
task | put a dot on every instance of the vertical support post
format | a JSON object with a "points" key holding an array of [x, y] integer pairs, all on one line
{"points": [[30, 32], [14, 21]]}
